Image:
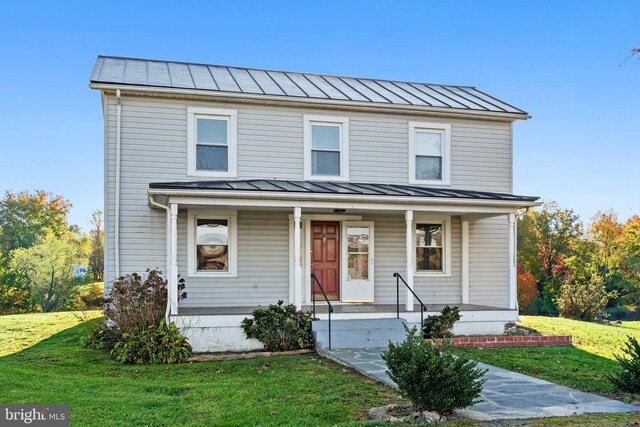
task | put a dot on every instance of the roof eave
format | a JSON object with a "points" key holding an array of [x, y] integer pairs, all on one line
{"points": [[306, 102], [332, 197]]}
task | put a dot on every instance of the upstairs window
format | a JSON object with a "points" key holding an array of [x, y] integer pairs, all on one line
{"points": [[326, 145], [429, 152], [212, 142]]}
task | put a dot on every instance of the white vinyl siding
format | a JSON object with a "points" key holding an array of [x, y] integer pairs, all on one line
{"points": [[154, 148]]}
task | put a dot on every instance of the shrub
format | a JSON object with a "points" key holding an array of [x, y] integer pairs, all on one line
{"points": [[431, 377], [627, 379], [441, 325], [136, 302], [280, 328], [582, 300], [154, 344], [100, 336]]}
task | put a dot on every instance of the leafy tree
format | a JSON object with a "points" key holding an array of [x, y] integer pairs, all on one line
{"points": [[25, 216], [629, 246], [46, 268], [96, 258], [545, 238], [605, 232]]}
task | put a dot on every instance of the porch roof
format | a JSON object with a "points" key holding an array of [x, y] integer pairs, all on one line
{"points": [[384, 191]]}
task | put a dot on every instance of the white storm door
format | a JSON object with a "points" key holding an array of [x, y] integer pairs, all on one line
{"points": [[357, 261]]}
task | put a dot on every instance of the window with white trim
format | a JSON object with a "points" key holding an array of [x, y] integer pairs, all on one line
{"points": [[429, 153], [326, 146], [430, 247], [212, 241], [212, 142]]}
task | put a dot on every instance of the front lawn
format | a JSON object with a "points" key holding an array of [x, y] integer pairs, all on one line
{"points": [[582, 366], [286, 390]]}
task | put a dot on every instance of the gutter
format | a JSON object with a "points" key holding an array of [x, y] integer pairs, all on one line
{"points": [[117, 189], [153, 203], [307, 102]]}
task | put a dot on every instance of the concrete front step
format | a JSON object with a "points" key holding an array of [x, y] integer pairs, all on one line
{"points": [[358, 333]]}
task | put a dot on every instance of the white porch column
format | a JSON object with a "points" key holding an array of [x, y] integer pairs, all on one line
{"points": [[173, 276], [408, 216], [513, 283], [297, 274], [464, 267]]}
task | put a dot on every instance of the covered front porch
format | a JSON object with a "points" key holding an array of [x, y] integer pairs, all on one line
{"points": [[352, 236]]}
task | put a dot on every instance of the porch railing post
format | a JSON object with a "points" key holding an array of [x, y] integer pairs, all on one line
{"points": [[397, 295]]}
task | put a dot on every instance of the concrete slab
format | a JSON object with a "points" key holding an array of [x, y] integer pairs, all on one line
{"points": [[506, 394]]}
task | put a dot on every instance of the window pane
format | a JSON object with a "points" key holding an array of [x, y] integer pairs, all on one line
{"points": [[212, 158], [428, 235], [211, 131], [212, 232], [213, 258], [358, 267], [325, 163], [325, 137], [358, 239], [428, 167], [428, 143], [429, 259]]}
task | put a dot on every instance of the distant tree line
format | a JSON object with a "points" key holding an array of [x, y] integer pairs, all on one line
{"points": [[567, 269], [38, 252]]}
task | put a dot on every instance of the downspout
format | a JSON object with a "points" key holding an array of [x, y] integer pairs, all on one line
{"points": [[167, 250], [519, 214], [117, 190]]}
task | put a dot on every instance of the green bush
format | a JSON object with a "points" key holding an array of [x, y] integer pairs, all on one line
{"points": [[279, 328], [91, 296], [441, 326], [627, 379], [431, 377], [583, 300], [154, 344], [99, 336]]}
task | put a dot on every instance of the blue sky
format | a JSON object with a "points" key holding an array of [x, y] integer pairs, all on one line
{"points": [[557, 60]]}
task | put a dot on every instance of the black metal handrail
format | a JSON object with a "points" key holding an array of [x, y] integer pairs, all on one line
{"points": [[422, 306], [313, 299]]}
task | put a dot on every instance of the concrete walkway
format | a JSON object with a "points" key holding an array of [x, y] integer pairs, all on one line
{"points": [[506, 394]]}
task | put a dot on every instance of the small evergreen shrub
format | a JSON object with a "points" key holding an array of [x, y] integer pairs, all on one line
{"points": [[627, 379], [154, 344], [441, 326], [100, 336], [279, 327], [431, 377]]}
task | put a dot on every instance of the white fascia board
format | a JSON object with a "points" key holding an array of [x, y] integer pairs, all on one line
{"points": [[282, 100], [275, 199]]}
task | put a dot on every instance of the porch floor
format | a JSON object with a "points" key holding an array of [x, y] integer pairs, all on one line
{"points": [[338, 307]]}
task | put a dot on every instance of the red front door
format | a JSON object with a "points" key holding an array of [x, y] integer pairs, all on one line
{"points": [[325, 257]]}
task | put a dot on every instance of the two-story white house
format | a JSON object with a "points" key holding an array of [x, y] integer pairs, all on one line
{"points": [[245, 182]]}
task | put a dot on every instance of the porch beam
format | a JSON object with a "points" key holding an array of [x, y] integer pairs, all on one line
{"points": [[513, 286], [173, 276], [297, 274], [465, 262], [408, 216]]}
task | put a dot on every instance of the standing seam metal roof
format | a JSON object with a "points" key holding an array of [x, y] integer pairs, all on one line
{"points": [[347, 188], [218, 78]]}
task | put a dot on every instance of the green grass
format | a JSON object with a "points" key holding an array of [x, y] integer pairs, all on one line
{"points": [[582, 366], [285, 390], [20, 331], [44, 362]]}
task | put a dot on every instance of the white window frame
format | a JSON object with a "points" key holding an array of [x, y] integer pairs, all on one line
{"points": [[231, 116], [441, 128], [445, 222], [232, 221], [343, 123]]}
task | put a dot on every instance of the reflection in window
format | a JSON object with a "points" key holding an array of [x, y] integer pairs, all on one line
{"points": [[212, 144], [428, 148], [325, 150], [358, 253], [212, 245], [429, 247]]}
